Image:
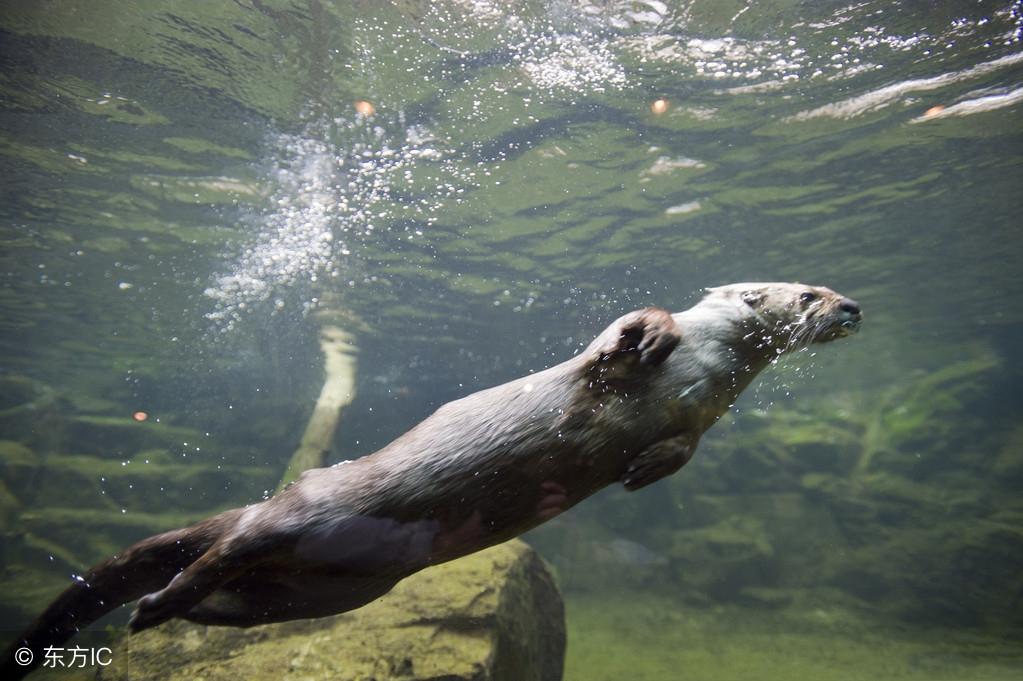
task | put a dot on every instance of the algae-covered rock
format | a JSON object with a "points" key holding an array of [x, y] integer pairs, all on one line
{"points": [[763, 598], [588, 559], [721, 559], [29, 412], [19, 469], [811, 442], [975, 582], [492, 616], [1007, 466]]}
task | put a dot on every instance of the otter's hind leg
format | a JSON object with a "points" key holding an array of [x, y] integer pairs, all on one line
{"points": [[261, 599], [188, 588]]}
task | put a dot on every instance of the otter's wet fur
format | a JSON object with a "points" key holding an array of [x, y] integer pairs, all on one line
{"points": [[631, 408]]}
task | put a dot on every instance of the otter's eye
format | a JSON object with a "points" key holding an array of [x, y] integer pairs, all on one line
{"points": [[807, 297]]}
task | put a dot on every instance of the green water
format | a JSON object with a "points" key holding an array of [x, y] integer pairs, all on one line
{"points": [[189, 191]]}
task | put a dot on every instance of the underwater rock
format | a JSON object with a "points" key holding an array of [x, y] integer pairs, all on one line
{"points": [[763, 598], [754, 469], [720, 560], [926, 553], [588, 558], [974, 584], [19, 469], [29, 412], [1007, 466], [492, 616], [854, 513], [807, 443], [939, 424]]}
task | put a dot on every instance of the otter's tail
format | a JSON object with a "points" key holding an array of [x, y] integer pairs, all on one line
{"points": [[144, 567]]}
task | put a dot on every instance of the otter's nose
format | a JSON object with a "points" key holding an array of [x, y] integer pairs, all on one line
{"points": [[849, 306]]}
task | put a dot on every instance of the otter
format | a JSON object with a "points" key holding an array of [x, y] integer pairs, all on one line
{"points": [[630, 408]]}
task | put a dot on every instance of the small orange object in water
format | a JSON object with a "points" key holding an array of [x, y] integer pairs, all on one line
{"points": [[659, 105], [365, 108], [934, 110], [140, 416]]}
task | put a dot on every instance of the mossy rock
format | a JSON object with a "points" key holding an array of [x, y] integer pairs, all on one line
{"points": [[763, 598], [1007, 467], [719, 560], [590, 558], [756, 469], [492, 616], [808, 443], [850, 508], [700, 510], [20, 467], [957, 570], [28, 410], [938, 422], [880, 504], [13, 452], [9, 505]]}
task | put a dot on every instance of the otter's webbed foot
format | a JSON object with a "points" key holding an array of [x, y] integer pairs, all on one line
{"points": [[659, 460], [187, 589], [645, 337], [149, 613]]}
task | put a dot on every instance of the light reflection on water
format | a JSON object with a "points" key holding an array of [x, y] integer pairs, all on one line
{"points": [[345, 176]]}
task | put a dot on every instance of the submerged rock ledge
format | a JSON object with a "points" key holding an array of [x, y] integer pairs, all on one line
{"points": [[493, 616]]}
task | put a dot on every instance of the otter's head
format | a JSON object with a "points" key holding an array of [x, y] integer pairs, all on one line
{"points": [[795, 314]]}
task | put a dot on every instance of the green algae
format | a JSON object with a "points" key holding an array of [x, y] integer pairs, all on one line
{"points": [[651, 638]]}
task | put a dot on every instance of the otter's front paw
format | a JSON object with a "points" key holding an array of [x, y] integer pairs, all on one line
{"points": [[659, 460], [660, 334], [645, 337]]}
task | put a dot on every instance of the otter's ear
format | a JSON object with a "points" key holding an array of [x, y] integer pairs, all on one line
{"points": [[752, 298]]}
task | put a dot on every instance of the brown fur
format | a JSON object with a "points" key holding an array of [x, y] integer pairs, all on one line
{"points": [[631, 408]]}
